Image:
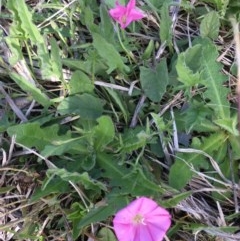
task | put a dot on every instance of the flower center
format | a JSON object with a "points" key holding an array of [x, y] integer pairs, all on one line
{"points": [[138, 219], [124, 19]]}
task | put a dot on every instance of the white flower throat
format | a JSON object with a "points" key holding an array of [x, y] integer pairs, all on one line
{"points": [[138, 219]]}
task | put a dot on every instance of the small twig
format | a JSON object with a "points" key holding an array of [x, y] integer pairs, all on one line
{"points": [[43, 226], [112, 86], [13, 139], [161, 50], [14, 107], [166, 238], [221, 215], [235, 195], [30, 108], [137, 110]]}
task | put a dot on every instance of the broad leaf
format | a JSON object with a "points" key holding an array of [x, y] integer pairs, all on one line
{"points": [[106, 234], [133, 139], [103, 212], [85, 105], [154, 81], [104, 132], [129, 179], [55, 185], [180, 172], [32, 135], [109, 54], [210, 24], [188, 66], [83, 178], [80, 83]]}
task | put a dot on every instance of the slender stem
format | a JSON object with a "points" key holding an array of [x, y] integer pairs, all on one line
{"points": [[129, 54], [235, 26]]}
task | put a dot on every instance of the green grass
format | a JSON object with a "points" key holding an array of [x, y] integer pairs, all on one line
{"points": [[93, 116]]}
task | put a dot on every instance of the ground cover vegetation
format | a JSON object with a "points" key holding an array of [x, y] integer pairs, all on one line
{"points": [[94, 114]]}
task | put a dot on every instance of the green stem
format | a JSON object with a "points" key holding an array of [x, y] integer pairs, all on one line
{"points": [[129, 53]]}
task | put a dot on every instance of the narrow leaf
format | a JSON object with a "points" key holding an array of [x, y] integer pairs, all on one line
{"points": [[165, 26], [213, 80], [36, 93]]}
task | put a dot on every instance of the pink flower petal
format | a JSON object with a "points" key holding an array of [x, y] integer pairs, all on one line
{"points": [[124, 15], [117, 12], [131, 5], [144, 205], [145, 234], [136, 14], [125, 232]]}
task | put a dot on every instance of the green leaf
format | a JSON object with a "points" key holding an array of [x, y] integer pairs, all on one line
{"points": [[210, 145], [55, 185], [32, 135], [36, 93], [210, 24], [103, 212], [149, 50], [75, 177], [176, 199], [235, 144], [213, 80], [180, 174], [109, 54], [195, 115], [129, 179], [165, 25], [106, 234], [65, 146], [106, 26], [104, 132], [134, 139], [85, 105], [154, 81], [188, 67], [93, 65], [22, 20], [120, 101], [14, 44], [22, 14], [229, 125], [80, 83], [56, 59]]}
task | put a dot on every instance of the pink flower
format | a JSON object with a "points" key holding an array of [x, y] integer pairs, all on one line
{"points": [[125, 15], [141, 220]]}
